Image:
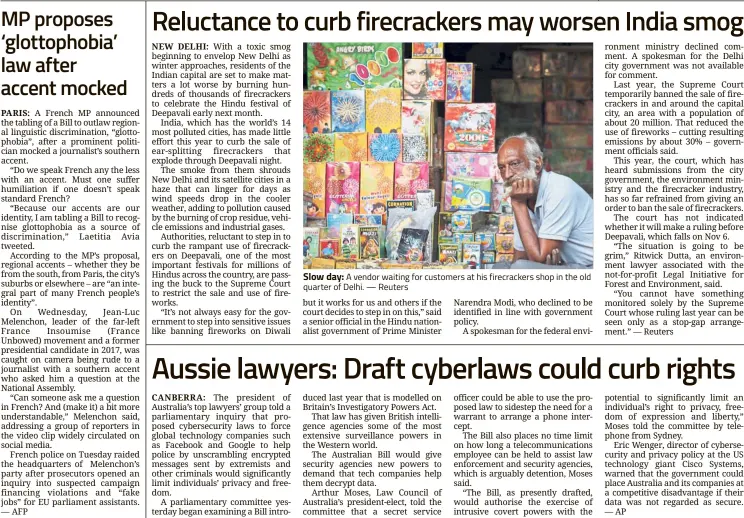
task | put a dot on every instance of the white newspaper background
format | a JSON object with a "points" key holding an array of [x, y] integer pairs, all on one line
{"points": [[100, 400]]}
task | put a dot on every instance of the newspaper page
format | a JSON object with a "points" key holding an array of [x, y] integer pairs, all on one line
{"points": [[287, 259]]}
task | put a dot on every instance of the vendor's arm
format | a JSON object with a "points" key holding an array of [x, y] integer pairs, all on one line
{"points": [[535, 248]]}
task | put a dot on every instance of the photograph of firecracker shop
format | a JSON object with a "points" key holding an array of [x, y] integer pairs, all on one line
{"points": [[447, 155]]}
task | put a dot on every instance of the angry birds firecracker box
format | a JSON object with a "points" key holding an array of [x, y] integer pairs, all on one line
{"points": [[342, 187], [313, 183], [354, 66], [470, 127], [316, 112], [348, 111]]}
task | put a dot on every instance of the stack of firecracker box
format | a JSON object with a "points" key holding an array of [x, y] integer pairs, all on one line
{"points": [[375, 156], [550, 98]]}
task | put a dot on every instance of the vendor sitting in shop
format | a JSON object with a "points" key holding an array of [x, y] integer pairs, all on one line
{"points": [[554, 215]]}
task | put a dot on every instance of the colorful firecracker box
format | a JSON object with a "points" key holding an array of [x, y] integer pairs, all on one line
{"points": [[446, 230], [468, 221], [330, 248], [459, 82], [450, 253], [334, 223], [376, 187], [342, 187], [354, 66], [497, 194], [313, 186], [506, 224], [407, 205], [316, 112], [505, 243], [506, 207], [472, 255], [350, 147], [412, 245], [347, 111], [487, 240], [319, 223], [323, 263], [425, 79], [446, 200], [370, 242], [369, 220], [415, 148], [318, 147], [470, 127], [504, 258], [471, 193], [410, 178], [463, 237], [346, 264], [489, 257], [384, 147], [349, 241], [417, 116], [427, 50], [383, 110], [477, 165], [426, 199], [310, 242]]}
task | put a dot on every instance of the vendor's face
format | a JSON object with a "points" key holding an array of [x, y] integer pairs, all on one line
{"points": [[512, 160], [415, 76]]}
